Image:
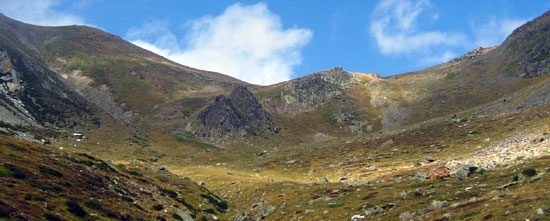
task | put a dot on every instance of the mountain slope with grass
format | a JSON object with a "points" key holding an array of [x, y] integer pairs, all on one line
{"points": [[43, 183], [464, 140], [97, 70]]}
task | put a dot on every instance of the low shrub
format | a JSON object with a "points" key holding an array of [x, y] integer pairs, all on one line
{"points": [[47, 170], [93, 204], [5, 172], [529, 172], [74, 208], [158, 207], [51, 217]]}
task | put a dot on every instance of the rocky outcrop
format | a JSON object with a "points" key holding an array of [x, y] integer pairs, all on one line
{"points": [[12, 110], [237, 115], [33, 95], [473, 54], [307, 93], [351, 118]]}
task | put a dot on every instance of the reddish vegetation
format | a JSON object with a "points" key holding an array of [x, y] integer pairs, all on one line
{"points": [[439, 173], [38, 182]]}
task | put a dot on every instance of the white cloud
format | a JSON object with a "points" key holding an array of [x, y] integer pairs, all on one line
{"points": [[437, 59], [38, 12], [156, 32], [246, 41], [495, 31], [394, 27]]}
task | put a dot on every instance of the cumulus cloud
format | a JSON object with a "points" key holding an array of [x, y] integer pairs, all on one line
{"points": [[245, 41], [495, 31], [399, 29], [38, 12], [158, 33], [394, 27], [437, 59]]}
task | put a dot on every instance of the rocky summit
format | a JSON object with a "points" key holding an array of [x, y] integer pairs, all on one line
{"points": [[309, 92], [93, 127]]}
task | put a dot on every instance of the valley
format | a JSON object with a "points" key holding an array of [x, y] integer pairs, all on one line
{"points": [[468, 139]]}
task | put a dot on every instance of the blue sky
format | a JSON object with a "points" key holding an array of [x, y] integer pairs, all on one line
{"points": [[265, 42]]}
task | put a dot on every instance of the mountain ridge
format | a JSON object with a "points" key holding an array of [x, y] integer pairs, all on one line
{"points": [[450, 141]]}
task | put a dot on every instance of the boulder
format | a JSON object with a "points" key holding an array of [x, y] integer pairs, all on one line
{"points": [[508, 185], [405, 216], [260, 154], [323, 180], [421, 176], [372, 168], [182, 215], [430, 159], [240, 217], [263, 213], [375, 210], [157, 169], [464, 171], [292, 161], [438, 204]]}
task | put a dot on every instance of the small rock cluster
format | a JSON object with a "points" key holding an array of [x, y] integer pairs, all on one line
{"points": [[508, 151]]}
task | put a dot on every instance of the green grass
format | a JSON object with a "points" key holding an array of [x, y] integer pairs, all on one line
{"points": [[269, 93], [468, 215], [17, 173], [194, 142], [450, 76], [47, 170], [93, 204], [5, 172], [478, 63]]}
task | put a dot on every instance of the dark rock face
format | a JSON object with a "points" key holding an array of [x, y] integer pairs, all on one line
{"points": [[237, 115], [33, 95], [245, 104], [12, 111]]}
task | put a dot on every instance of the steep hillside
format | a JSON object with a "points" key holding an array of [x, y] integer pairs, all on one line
{"points": [[120, 79], [42, 183], [32, 95]]}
